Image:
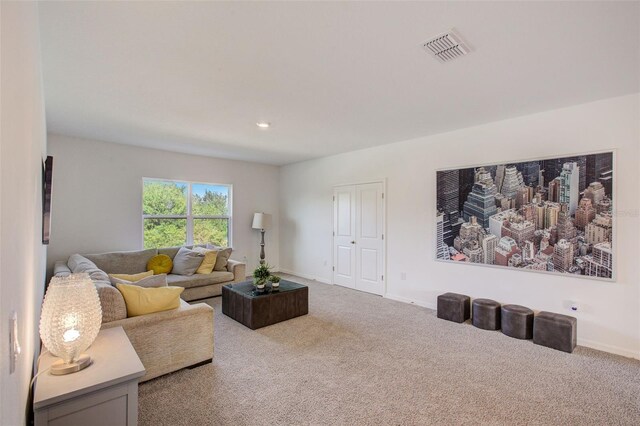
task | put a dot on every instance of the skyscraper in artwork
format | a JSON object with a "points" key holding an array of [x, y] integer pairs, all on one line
{"points": [[512, 182], [553, 168], [563, 256], [600, 229], [554, 190], [489, 244], [442, 251], [597, 166], [600, 262], [595, 192], [481, 201], [586, 213], [448, 195], [507, 247], [530, 173], [569, 186]]}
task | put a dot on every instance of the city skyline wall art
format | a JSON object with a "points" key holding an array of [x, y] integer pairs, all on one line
{"points": [[549, 215]]}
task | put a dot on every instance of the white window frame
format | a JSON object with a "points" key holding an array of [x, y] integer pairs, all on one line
{"points": [[189, 216]]}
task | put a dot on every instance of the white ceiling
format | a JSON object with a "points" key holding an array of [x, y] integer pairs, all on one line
{"points": [[330, 77]]}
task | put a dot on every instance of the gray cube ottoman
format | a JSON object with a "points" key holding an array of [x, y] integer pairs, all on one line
{"points": [[555, 331], [454, 307], [517, 321], [486, 314]]}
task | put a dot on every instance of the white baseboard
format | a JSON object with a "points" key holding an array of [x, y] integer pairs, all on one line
{"points": [[305, 276], [410, 301], [609, 348]]}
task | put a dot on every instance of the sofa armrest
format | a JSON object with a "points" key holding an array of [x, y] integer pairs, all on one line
{"points": [[112, 303], [239, 270], [170, 340], [60, 269]]}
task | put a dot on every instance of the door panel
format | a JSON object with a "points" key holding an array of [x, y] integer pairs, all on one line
{"points": [[344, 253], [369, 265], [368, 213], [358, 237], [369, 226], [345, 217], [343, 261]]}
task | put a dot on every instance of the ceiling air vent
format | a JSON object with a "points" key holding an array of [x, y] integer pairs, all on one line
{"points": [[446, 47]]}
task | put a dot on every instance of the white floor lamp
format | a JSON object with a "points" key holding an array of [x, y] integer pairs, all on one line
{"points": [[261, 221]]}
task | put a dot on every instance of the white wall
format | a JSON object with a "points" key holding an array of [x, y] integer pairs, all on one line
{"points": [[608, 316], [97, 196], [22, 148]]}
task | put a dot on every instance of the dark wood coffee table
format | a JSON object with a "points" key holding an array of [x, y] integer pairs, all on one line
{"points": [[259, 309]]}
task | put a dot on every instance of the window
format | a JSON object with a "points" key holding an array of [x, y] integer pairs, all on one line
{"points": [[182, 213]]}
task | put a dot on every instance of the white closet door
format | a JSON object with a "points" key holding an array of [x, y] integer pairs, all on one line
{"points": [[358, 237]]}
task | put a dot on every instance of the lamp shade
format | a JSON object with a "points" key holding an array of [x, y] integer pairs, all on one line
{"points": [[261, 221], [71, 316]]}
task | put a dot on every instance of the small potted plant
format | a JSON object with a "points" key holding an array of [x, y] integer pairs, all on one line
{"points": [[261, 275], [275, 282]]}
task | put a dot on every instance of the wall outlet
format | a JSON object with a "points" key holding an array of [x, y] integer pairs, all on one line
{"points": [[14, 343], [571, 305], [325, 263], [403, 276]]}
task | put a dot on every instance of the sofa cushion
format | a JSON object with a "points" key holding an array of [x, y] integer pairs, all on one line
{"points": [[169, 251], [123, 262], [209, 262], [130, 277], [152, 281], [160, 264], [186, 261], [143, 301], [78, 264], [223, 257], [199, 280], [172, 251]]}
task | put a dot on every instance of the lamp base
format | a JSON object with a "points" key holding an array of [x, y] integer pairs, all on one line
{"points": [[60, 368]]}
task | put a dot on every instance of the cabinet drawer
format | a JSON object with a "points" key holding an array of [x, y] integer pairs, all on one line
{"points": [[116, 405]]}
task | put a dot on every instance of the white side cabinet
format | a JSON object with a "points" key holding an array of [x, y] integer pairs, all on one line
{"points": [[105, 393]]}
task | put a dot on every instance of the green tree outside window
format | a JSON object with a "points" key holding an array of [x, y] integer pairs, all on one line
{"points": [[169, 213]]}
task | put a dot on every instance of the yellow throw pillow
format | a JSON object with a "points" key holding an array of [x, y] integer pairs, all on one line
{"points": [[160, 264], [207, 265], [142, 301], [132, 277]]}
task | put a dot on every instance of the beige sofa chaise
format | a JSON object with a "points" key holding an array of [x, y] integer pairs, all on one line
{"points": [[165, 341]]}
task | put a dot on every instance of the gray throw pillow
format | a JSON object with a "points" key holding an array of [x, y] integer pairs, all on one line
{"points": [[223, 257], [78, 264], [153, 281], [186, 261]]}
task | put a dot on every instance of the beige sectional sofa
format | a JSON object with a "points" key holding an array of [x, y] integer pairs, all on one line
{"points": [[165, 341]]}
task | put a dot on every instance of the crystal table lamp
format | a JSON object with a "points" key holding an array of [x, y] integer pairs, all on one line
{"points": [[70, 321]]}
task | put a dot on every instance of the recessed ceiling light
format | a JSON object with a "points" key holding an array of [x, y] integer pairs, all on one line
{"points": [[263, 124]]}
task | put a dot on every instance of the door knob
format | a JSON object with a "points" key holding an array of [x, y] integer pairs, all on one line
{"points": [[353, 242]]}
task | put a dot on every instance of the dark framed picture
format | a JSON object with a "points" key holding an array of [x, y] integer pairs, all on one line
{"points": [[47, 178], [552, 215]]}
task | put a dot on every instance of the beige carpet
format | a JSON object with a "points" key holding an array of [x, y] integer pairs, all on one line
{"points": [[359, 359]]}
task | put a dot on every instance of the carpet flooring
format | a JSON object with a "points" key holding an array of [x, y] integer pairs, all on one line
{"points": [[360, 359]]}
